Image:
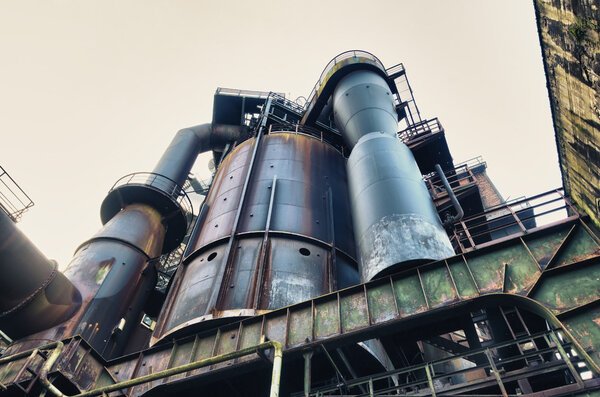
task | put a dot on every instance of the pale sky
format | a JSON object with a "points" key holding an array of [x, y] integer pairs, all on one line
{"points": [[93, 90]]}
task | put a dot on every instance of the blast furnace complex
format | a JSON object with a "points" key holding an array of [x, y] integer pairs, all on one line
{"points": [[339, 250]]}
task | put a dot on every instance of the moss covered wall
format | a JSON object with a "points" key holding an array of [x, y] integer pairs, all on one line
{"points": [[570, 37]]}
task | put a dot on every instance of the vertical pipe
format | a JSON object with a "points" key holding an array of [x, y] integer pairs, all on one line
{"points": [[259, 272], [212, 302], [459, 211], [307, 369]]}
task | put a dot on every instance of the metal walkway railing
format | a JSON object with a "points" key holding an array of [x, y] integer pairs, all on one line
{"points": [[13, 200]]}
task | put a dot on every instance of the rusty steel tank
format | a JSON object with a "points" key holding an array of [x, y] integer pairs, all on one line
{"points": [[292, 238]]}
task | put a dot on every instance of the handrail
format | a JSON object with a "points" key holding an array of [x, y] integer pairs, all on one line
{"points": [[238, 92], [158, 182], [395, 69], [458, 177], [508, 215], [281, 99], [275, 377], [13, 200], [490, 362], [334, 61], [472, 163], [431, 126], [303, 129]]}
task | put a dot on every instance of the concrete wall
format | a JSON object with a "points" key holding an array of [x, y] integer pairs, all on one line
{"points": [[569, 35]]}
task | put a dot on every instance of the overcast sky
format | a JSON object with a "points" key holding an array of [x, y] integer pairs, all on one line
{"points": [[93, 90]]}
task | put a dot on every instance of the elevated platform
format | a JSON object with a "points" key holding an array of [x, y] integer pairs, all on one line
{"points": [[13, 200], [516, 284]]}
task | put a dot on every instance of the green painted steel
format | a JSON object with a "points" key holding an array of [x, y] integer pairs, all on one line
{"points": [[554, 272], [510, 269]]}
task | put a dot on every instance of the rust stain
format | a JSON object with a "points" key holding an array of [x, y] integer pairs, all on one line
{"points": [[559, 303]]}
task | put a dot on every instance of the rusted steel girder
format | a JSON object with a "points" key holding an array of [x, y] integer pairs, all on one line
{"points": [[530, 272]]}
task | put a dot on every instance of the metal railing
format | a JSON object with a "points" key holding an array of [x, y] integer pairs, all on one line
{"points": [[490, 367], [404, 97], [396, 69], [160, 183], [358, 55], [282, 100], [13, 200], [459, 177], [472, 163], [512, 219], [248, 93], [310, 131], [420, 130]]}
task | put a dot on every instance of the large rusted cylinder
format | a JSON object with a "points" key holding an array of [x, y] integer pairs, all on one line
{"points": [[34, 295], [395, 221], [115, 270], [276, 260], [115, 274]]}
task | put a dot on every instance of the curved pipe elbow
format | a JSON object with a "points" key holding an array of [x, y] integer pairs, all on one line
{"points": [[178, 159], [213, 137]]}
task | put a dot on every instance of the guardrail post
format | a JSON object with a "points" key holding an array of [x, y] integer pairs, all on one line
{"points": [[430, 380], [566, 359], [488, 354]]}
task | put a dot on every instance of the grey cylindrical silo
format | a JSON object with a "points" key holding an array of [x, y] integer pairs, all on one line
{"points": [[395, 221]]}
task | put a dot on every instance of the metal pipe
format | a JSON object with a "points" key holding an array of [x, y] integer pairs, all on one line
{"points": [[115, 269], [459, 211], [307, 372], [48, 366], [5, 337], [275, 379], [214, 296], [34, 295], [178, 159]]}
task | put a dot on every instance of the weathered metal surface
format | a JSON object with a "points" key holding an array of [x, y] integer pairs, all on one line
{"points": [[543, 246], [429, 291], [363, 103], [78, 362], [569, 288], [34, 295], [584, 325], [112, 269], [394, 218], [580, 245], [395, 221], [363, 309], [488, 269], [289, 234]]}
